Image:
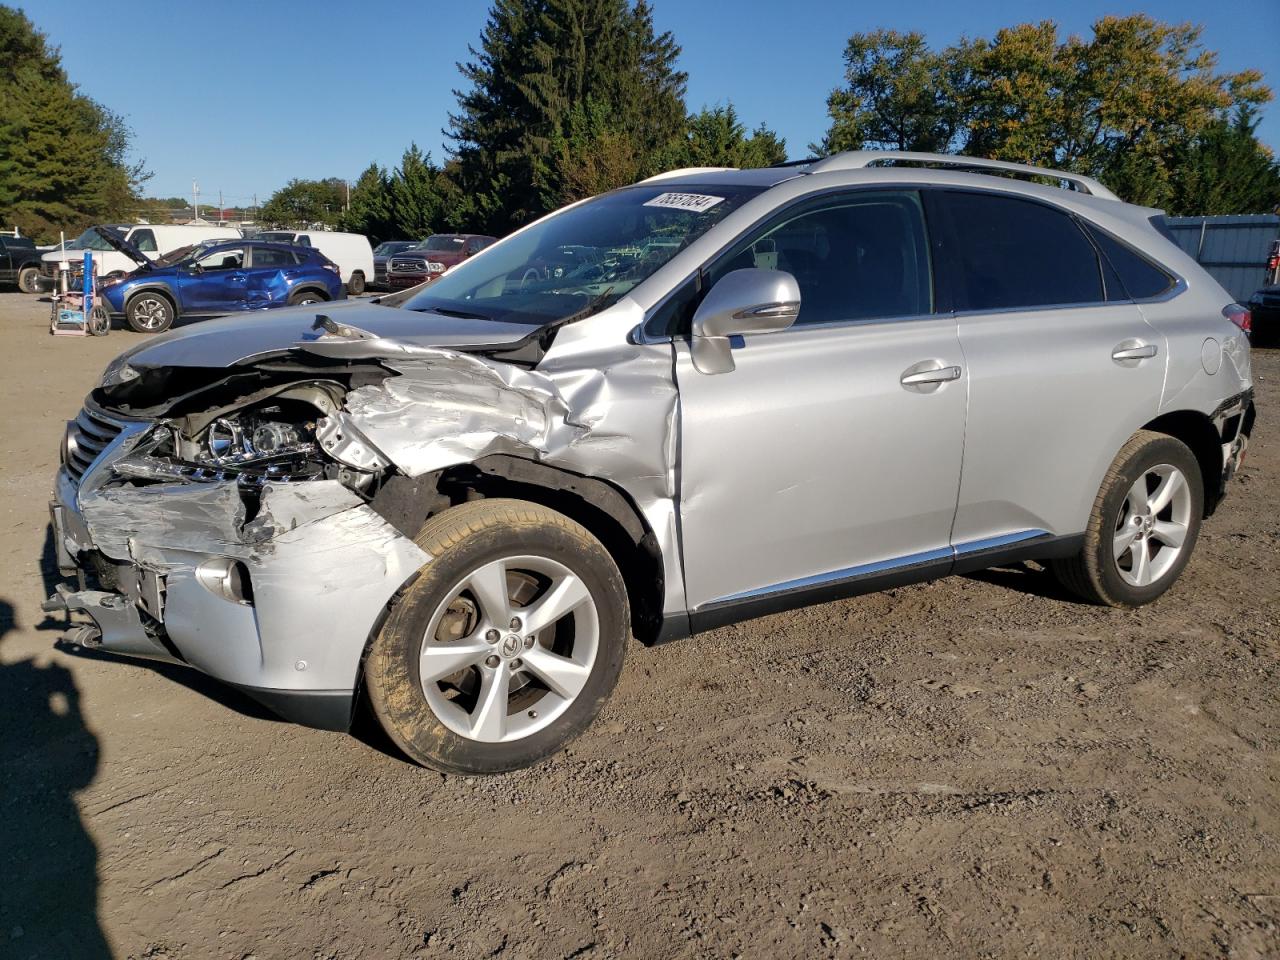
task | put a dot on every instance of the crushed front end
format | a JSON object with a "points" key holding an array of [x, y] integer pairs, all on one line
{"points": [[212, 530]]}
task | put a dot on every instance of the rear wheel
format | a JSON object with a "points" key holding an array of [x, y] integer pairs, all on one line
{"points": [[1144, 526], [149, 312], [29, 280], [508, 643], [301, 298], [355, 286]]}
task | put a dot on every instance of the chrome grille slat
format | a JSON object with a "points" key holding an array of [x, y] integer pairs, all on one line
{"points": [[90, 433]]}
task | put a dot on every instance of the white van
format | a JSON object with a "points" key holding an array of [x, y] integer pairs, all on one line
{"points": [[350, 251], [153, 239]]}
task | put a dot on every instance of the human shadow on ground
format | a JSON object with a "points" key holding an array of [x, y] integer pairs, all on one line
{"points": [[49, 907]]}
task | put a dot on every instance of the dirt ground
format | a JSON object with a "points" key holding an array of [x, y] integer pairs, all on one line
{"points": [[978, 767]]}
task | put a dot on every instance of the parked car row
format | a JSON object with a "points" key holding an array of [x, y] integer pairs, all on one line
{"points": [[216, 278], [150, 275]]}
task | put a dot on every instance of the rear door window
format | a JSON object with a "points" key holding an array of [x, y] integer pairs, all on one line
{"points": [[267, 257], [1003, 253]]}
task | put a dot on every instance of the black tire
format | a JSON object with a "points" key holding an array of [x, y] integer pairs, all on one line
{"points": [[1096, 573], [99, 321], [29, 279], [301, 297], [149, 312], [356, 285], [460, 541]]}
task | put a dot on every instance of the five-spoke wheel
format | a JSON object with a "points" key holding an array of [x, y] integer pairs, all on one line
{"points": [[1144, 525], [506, 645]]}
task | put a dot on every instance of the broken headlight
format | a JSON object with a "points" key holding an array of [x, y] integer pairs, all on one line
{"points": [[267, 443]]}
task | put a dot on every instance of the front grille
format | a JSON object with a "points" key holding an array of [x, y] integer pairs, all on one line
{"points": [[408, 265], [87, 436]]}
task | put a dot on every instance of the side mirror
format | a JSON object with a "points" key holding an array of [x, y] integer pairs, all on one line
{"points": [[743, 301], [195, 268]]}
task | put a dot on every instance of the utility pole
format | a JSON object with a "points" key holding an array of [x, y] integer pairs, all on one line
{"points": [[220, 207], [195, 198], [347, 207], [255, 208]]}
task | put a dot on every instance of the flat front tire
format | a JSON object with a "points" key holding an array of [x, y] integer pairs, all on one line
{"points": [[1144, 524], [508, 643]]}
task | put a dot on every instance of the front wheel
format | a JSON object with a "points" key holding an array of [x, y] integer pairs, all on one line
{"points": [[355, 286], [1144, 525], [506, 646], [149, 312], [29, 280]]}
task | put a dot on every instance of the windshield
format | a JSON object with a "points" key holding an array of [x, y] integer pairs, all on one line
{"points": [[441, 241], [588, 256], [390, 247], [91, 239]]}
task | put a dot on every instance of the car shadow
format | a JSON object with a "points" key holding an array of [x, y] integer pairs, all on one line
{"points": [[47, 755], [1033, 579]]}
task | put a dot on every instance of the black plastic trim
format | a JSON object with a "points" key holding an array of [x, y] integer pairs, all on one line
{"points": [[715, 615], [320, 709]]}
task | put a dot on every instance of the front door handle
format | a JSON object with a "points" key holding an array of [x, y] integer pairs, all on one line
{"points": [[915, 377], [1133, 350]]}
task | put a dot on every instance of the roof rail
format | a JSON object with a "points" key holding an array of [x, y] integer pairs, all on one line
{"points": [[686, 171], [860, 159]]}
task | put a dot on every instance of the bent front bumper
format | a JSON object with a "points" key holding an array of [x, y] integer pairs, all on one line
{"points": [[316, 568]]}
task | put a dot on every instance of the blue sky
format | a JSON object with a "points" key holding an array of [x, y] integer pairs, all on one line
{"points": [[245, 95]]}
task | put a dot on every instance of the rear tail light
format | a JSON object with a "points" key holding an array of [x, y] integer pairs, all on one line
{"points": [[1239, 314]]}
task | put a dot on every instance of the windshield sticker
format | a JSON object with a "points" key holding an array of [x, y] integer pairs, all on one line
{"points": [[694, 202]]}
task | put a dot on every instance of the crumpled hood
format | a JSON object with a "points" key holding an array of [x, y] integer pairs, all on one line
{"points": [[250, 336]]}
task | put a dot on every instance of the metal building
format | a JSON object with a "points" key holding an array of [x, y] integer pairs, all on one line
{"points": [[1233, 249]]}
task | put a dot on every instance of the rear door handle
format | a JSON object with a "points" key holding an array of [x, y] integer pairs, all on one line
{"points": [[914, 377], [1133, 350]]}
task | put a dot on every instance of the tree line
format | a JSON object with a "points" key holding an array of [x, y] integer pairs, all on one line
{"points": [[563, 99]]}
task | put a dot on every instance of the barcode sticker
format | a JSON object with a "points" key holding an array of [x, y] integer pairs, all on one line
{"points": [[694, 202]]}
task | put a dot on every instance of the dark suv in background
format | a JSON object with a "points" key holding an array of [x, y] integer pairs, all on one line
{"points": [[433, 257], [20, 263], [382, 254]]}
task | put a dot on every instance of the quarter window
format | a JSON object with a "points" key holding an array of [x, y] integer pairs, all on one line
{"points": [[857, 256], [1139, 277], [1007, 253]]}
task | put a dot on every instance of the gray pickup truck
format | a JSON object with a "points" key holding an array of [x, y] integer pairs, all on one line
{"points": [[20, 263]]}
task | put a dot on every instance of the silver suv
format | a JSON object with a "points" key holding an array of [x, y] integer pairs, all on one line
{"points": [[709, 396]]}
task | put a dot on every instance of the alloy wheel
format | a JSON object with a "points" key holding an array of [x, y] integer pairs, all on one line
{"points": [[1152, 526], [150, 313], [510, 648]]}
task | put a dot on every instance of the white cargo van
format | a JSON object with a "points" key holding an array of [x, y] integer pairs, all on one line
{"points": [[153, 239], [350, 251]]}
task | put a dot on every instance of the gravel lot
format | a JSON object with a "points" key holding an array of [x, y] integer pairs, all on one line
{"points": [[978, 767]]}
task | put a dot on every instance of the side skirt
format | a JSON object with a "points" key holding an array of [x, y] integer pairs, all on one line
{"points": [[966, 558]]}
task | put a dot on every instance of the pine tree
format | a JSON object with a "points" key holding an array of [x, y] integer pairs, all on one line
{"points": [[543, 67], [62, 155]]}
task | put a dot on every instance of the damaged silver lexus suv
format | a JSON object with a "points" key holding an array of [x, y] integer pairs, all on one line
{"points": [[709, 396]]}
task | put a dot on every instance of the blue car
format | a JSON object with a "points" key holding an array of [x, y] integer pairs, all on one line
{"points": [[216, 278]]}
